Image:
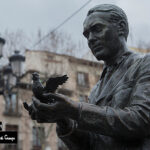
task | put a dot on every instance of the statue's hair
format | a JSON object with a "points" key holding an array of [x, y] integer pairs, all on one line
{"points": [[116, 15]]}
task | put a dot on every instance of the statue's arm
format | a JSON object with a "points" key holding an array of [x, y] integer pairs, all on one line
{"points": [[130, 122], [74, 139]]}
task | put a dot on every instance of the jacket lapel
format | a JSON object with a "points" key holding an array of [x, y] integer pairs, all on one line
{"points": [[112, 82]]}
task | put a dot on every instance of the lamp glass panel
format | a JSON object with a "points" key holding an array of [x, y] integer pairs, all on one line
{"points": [[6, 81], [17, 67], [12, 80]]}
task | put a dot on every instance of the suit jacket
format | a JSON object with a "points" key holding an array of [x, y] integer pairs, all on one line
{"points": [[118, 116]]}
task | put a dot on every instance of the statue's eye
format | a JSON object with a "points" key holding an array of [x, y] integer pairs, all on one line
{"points": [[86, 34], [97, 28]]}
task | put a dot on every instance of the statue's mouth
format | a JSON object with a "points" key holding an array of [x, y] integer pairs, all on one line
{"points": [[97, 48]]}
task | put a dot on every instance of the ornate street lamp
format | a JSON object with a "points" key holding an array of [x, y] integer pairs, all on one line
{"points": [[2, 42], [9, 78], [17, 63]]}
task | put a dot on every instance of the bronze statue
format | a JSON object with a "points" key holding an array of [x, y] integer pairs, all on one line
{"points": [[117, 116]]}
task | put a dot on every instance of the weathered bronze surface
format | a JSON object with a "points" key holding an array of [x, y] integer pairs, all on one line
{"points": [[117, 116]]}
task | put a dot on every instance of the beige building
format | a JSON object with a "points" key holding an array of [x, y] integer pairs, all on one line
{"points": [[83, 74]]}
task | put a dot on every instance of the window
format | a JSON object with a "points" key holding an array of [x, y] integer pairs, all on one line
{"points": [[82, 79], [11, 103], [11, 128], [38, 135], [83, 98], [50, 57]]}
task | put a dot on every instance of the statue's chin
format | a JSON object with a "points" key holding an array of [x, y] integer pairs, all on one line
{"points": [[101, 57], [104, 57]]}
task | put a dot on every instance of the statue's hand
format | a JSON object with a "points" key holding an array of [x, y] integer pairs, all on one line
{"points": [[59, 106], [37, 115]]}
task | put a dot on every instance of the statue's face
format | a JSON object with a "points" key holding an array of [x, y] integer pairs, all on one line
{"points": [[102, 36]]}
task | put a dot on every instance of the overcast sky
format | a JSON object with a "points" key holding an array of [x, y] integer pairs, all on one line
{"points": [[30, 15]]}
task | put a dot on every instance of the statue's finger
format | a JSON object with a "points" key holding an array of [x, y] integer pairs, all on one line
{"points": [[53, 97]]}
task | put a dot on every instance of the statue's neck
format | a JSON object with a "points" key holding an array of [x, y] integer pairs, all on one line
{"points": [[122, 48]]}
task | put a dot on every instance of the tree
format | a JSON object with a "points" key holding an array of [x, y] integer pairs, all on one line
{"points": [[15, 40], [59, 42]]}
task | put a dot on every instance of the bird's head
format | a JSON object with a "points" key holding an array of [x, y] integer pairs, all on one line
{"points": [[35, 76]]}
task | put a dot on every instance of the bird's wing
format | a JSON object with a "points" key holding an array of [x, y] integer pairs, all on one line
{"points": [[53, 83]]}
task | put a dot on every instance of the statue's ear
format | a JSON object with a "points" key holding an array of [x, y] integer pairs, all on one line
{"points": [[121, 27]]}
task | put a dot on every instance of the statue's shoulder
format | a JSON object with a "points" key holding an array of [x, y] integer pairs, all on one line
{"points": [[145, 63], [147, 57], [140, 57], [144, 58]]}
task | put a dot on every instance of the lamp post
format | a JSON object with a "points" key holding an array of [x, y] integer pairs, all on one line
{"points": [[17, 63], [7, 74], [11, 74], [2, 43]]}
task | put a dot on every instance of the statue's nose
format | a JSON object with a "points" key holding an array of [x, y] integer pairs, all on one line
{"points": [[91, 38]]}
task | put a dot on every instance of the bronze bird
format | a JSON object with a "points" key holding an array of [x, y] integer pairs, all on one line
{"points": [[51, 85]]}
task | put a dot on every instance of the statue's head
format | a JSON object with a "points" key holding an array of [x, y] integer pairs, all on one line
{"points": [[104, 26]]}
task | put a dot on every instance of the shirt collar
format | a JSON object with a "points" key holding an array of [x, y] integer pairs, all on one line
{"points": [[118, 60]]}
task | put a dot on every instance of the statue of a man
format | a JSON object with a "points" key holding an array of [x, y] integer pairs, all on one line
{"points": [[117, 116]]}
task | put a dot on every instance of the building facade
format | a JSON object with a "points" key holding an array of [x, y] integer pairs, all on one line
{"points": [[83, 74]]}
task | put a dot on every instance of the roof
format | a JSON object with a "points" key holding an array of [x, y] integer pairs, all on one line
{"points": [[70, 58]]}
